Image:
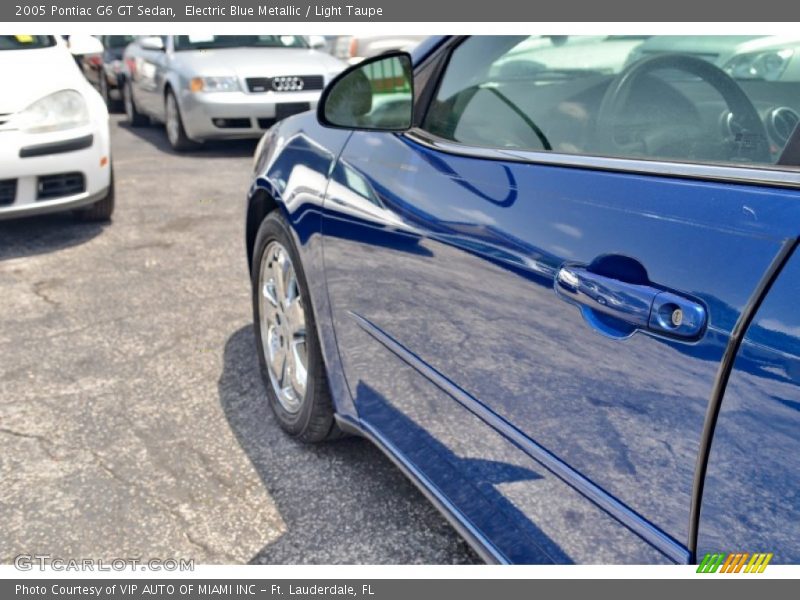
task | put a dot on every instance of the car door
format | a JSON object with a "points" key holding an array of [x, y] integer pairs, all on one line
{"points": [[148, 76], [556, 257], [752, 506]]}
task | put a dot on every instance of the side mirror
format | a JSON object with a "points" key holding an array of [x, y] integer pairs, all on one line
{"points": [[152, 42], [377, 94], [81, 45], [317, 42]]}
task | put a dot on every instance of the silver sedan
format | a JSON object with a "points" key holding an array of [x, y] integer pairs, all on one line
{"points": [[206, 87]]}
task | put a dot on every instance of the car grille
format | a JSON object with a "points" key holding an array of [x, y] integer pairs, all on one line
{"points": [[8, 191], [285, 83], [63, 184], [4, 118]]}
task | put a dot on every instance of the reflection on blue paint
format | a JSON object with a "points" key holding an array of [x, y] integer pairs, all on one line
{"points": [[752, 491], [456, 258]]}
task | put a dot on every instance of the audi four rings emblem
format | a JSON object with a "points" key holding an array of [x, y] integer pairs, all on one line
{"points": [[287, 84]]}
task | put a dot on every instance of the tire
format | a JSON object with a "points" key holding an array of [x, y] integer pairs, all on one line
{"points": [[310, 416], [111, 105], [173, 122], [135, 118], [101, 210]]}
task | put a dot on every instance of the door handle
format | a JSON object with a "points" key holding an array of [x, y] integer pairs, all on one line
{"points": [[641, 306]]}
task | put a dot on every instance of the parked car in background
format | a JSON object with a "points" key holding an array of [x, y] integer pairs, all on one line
{"points": [[580, 324], [355, 48], [105, 70], [320, 42], [746, 58], [601, 53], [205, 87], [54, 138], [765, 57]]}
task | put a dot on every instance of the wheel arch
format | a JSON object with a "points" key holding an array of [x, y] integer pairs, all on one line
{"points": [[169, 86], [260, 203]]}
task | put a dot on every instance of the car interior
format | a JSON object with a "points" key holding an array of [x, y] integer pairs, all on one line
{"points": [[666, 105]]}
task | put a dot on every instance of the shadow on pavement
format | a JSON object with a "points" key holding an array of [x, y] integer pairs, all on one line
{"points": [[342, 502], [156, 136], [29, 236]]}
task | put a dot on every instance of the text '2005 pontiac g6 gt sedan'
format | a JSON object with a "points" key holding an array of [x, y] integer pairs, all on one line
{"points": [[205, 87], [555, 279]]}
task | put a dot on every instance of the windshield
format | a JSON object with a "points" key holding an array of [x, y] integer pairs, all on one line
{"points": [[117, 41], [26, 42], [207, 42]]}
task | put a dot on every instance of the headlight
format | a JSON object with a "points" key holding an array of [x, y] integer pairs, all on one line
{"points": [[768, 66], [214, 84], [62, 110]]}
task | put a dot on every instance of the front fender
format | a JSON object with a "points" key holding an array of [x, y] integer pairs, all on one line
{"points": [[292, 166]]}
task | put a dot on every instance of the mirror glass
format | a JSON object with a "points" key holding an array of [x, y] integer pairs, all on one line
{"points": [[374, 95]]}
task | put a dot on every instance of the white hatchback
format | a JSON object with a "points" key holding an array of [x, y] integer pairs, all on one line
{"points": [[54, 139]]}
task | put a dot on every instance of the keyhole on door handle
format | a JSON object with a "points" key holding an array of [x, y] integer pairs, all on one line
{"points": [[617, 298]]}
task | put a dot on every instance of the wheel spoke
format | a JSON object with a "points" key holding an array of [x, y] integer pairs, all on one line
{"points": [[280, 266], [269, 315], [297, 318], [269, 307], [298, 372], [292, 292], [278, 361], [285, 379], [269, 292]]}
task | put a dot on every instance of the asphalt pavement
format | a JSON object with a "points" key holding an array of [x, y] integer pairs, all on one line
{"points": [[133, 420]]}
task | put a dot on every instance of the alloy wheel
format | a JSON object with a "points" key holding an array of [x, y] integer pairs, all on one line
{"points": [[283, 327], [127, 97], [173, 120]]}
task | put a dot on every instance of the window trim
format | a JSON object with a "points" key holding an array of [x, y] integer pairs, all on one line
{"points": [[779, 175], [773, 177], [428, 74]]}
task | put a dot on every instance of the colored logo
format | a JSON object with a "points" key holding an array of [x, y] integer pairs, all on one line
{"points": [[736, 562]]}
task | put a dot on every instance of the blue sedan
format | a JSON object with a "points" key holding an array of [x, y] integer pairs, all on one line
{"points": [[555, 279]]}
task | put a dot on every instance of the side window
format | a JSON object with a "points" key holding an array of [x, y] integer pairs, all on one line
{"points": [[714, 99]]}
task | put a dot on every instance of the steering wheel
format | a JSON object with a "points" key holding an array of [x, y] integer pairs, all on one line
{"points": [[748, 142]]}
